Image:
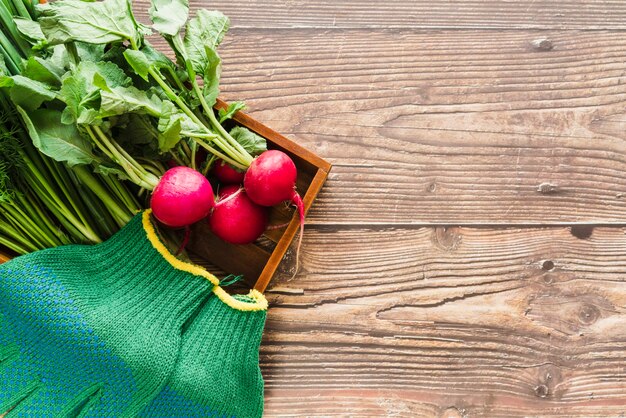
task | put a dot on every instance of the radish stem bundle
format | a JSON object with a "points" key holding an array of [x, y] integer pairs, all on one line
{"points": [[44, 203]]}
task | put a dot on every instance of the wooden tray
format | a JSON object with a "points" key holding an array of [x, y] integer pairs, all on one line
{"points": [[259, 261]]}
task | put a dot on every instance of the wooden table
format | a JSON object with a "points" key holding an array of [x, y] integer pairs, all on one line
{"points": [[467, 256]]}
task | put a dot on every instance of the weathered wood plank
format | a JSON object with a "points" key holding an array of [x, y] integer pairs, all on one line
{"points": [[446, 127], [512, 322], [328, 14]]}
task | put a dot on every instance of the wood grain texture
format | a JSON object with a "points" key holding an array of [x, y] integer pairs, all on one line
{"points": [[412, 14], [411, 322]]}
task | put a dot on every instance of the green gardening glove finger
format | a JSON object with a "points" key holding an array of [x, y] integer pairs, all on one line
{"points": [[218, 372], [94, 330]]}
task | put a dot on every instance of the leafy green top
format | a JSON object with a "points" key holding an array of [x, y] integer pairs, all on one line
{"points": [[95, 92]]}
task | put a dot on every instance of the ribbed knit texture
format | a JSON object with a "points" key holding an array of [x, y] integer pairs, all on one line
{"points": [[92, 330], [218, 373]]}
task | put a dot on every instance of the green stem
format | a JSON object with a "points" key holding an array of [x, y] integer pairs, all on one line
{"points": [[194, 149], [12, 57], [198, 135], [116, 187], [86, 178], [176, 79], [22, 10], [62, 180], [11, 228], [176, 158], [222, 156], [8, 24], [15, 247], [208, 165], [10, 6], [31, 206], [208, 111], [123, 155], [100, 146], [135, 172], [28, 227], [28, 5], [104, 220], [235, 155], [50, 198]]}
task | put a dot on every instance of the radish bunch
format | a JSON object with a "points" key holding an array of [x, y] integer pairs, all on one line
{"points": [[239, 215]]}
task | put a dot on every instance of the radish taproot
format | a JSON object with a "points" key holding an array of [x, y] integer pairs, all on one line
{"points": [[236, 219], [226, 174], [182, 197]]}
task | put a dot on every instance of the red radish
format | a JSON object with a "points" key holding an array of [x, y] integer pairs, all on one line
{"points": [[271, 179], [226, 174], [182, 197], [236, 219]]}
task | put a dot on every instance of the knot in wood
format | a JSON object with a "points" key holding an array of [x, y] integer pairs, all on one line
{"points": [[581, 231], [547, 265], [588, 314], [446, 238], [542, 391], [548, 279]]}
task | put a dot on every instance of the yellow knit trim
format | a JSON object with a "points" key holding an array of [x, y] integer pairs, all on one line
{"points": [[260, 301], [259, 304]]}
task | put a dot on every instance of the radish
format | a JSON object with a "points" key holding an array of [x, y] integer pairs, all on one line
{"points": [[271, 179], [236, 219], [182, 197], [226, 174]]}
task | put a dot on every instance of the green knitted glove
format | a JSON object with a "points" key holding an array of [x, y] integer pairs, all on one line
{"points": [[218, 372], [94, 330]]}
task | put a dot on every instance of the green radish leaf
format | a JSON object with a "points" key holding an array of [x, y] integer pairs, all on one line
{"points": [[169, 16], [110, 72], [121, 100], [80, 96], [171, 115], [88, 117], [170, 137], [59, 58], [136, 135], [141, 61], [211, 74], [253, 143], [90, 52], [230, 111], [56, 140], [137, 130], [97, 22], [204, 33], [31, 31], [138, 62], [41, 70], [27, 93], [82, 90]]}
